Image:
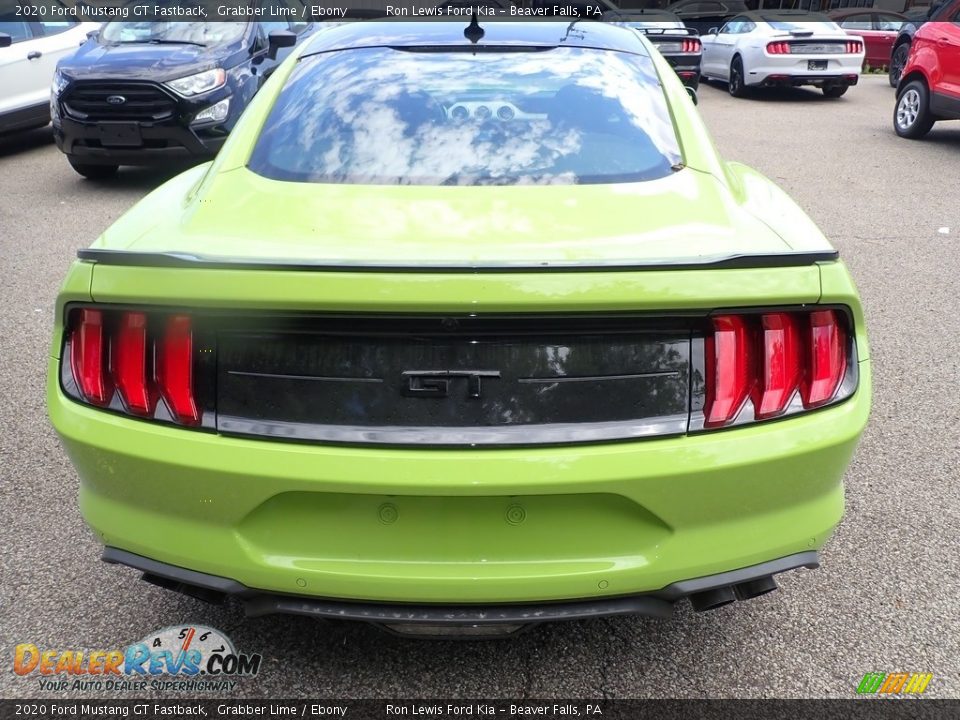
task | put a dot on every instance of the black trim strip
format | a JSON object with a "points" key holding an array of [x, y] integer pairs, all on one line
{"points": [[595, 378], [319, 378], [447, 436], [187, 260], [258, 602]]}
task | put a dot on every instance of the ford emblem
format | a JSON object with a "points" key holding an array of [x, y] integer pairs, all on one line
{"points": [[116, 99]]}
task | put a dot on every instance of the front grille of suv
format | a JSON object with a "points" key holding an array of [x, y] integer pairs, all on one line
{"points": [[128, 101]]}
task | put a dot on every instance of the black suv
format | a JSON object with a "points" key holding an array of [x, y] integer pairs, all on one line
{"points": [[147, 93]]}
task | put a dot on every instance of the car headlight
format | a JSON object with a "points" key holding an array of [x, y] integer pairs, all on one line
{"points": [[59, 83], [199, 83], [214, 113]]}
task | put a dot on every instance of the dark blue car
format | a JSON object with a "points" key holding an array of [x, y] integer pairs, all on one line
{"points": [[149, 92]]}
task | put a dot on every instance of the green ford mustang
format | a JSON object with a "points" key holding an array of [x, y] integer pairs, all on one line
{"points": [[463, 330]]}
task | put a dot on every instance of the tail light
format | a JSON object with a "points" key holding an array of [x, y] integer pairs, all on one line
{"points": [[826, 359], [138, 363], [130, 363], [690, 46], [771, 364], [88, 360], [174, 370], [778, 48], [854, 47], [729, 364]]}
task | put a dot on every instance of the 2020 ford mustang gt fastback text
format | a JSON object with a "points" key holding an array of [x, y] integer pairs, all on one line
{"points": [[463, 328]]}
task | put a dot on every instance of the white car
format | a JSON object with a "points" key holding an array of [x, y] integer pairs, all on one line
{"points": [[29, 52], [766, 48]]}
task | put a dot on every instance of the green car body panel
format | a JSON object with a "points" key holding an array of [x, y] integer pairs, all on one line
{"points": [[464, 525]]}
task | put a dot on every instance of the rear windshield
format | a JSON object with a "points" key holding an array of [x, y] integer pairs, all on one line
{"points": [[389, 116], [813, 22]]}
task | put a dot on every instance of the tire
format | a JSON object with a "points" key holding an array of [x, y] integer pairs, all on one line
{"points": [[898, 61], [912, 117], [736, 85], [92, 171], [835, 91]]}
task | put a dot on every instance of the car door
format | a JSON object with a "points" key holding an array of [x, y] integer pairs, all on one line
{"points": [[947, 37], [724, 47], [22, 76], [57, 40], [886, 27]]}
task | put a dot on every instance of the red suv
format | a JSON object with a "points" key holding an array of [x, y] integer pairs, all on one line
{"points": [[929, 89]]}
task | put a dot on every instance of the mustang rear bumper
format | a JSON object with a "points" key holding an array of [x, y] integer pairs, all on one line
{"points": [[818, 80], [584, 523], [716, 590]]}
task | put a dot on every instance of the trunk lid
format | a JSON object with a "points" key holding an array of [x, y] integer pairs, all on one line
{"points": [[686, 217]]}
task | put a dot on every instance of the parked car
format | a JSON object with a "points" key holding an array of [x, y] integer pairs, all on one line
{"points": [[29, 52], [385, 361], [679, 44], [151, 92], [782, 48], [877, 28], [939, 10], [701, 15], [930, 86]]}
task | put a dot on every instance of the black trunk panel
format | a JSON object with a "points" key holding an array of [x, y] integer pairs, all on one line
{"points": [[455, 381]]}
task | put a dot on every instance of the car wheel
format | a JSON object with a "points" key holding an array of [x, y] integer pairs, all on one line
{"points": [[736, 84], [92, 171], [898, 62], [834, 91], [912, 117]]}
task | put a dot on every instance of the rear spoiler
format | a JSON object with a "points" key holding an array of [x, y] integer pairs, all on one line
{"points": [[129, 258], [686, 32]]}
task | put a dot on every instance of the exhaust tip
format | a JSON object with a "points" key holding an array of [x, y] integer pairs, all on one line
{"points": [[712, 599], [755, 588]]}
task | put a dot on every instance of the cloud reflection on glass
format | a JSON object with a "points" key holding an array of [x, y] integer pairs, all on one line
{"points": [[387, 116]]}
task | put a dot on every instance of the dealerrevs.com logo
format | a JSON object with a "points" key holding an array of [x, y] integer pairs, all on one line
{"points": [[189, 658]]}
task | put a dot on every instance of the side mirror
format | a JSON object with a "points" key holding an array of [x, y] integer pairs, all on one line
{"points": [[280, 39], [692, 93], [5, 40], [712, 31]]}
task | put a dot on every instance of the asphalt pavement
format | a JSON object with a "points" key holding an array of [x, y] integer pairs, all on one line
{"points": [[884, 600]]}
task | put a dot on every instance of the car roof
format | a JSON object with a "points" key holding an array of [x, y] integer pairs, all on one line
{"points": [[446, 33]]}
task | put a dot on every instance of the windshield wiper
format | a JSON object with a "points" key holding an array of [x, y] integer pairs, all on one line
{"points": [[160, 41]]}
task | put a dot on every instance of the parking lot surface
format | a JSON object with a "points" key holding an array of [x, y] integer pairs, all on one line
{"points": [[884, 600]]}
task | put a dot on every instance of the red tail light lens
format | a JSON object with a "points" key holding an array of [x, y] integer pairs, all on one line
{"points": [[778, 48], [728, 368], [130, 363], [780, 366], [826, 359], [88, 356], [175, 370], [118, 351], [766, 359], [690, 46], [854, 47]]}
